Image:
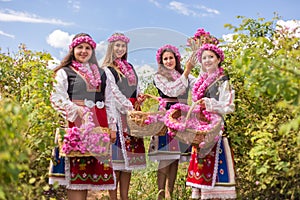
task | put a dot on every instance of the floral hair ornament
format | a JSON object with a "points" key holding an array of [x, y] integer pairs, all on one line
{"points": [[123, 38], [83, 39], [210, 47], [169, 47]]}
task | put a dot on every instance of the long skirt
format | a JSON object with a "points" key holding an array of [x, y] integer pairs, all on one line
{"points": [[83, 172], [167, 147], [214, 174], [128, 152]]}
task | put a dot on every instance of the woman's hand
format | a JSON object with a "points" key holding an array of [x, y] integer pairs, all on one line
{"points": [[80, 111], [113, 136], [141, 98], [202, 103]]}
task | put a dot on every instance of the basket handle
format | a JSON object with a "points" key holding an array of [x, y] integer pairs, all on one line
{"points": [[191, 110], [137, 105], [151, 96]]}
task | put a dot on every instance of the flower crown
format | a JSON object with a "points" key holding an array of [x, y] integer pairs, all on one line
{"points": [[83, 39], [114, 38], [167, 46], [210, 47]]}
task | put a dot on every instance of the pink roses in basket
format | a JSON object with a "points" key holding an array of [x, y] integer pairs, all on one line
{"points": [[194, 117], [85, 139]]}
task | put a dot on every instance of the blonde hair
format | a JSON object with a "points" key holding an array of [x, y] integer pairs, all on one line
{"points": [[109, 56]]}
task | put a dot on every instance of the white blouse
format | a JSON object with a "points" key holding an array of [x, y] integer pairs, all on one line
{"points": [[69, 110], [174, 88], [225, 104]]}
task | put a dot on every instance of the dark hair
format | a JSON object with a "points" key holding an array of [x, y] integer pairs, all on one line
{"points": [[178, 64], [67, 60]]}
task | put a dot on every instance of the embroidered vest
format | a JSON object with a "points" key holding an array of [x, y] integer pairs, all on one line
{"points": [[79, 88]]}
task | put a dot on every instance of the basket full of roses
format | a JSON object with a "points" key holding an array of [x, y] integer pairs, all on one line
{"points": [[150, 123], [86, 140], [193, 124]]}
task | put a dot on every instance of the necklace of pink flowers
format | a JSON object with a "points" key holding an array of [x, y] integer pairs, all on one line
{"points": [[126, 70], [204, 81], [93, 76]]}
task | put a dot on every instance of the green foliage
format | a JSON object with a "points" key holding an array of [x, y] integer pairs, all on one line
{"points": [[26, 79], [263, 64], [14, 154]]}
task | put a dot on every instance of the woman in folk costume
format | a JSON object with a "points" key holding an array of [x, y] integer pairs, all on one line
{"points": [[128, 151], [81, 88], [172, 83], [211, 168]]}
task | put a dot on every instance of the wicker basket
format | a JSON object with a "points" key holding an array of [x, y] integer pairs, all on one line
{"points": [[96, 130], [192, 136], [137, 125]]}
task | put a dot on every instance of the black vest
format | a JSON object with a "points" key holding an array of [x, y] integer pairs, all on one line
{"points": [[212, 90], [130, 91], [79, 89]]}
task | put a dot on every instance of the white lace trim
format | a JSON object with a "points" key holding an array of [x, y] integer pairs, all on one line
{"points": [[219, 192], [163, 157], [122, 140]]}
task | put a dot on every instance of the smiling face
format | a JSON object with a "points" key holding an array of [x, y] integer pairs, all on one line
{"points": [[119, 49], [210, 61], [168, 60], [83, 52]]}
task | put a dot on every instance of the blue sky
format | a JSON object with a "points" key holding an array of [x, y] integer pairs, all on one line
{"points": [[49, 25]]}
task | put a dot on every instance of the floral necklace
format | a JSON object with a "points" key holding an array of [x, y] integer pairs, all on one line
{"points": [[205, 80], [127, 71], [93, 76]]}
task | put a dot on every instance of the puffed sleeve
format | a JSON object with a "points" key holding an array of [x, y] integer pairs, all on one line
{"points": [[225, 104], [60, 98], [171, 88], [110, 108], [121, 102], [192, 80]]}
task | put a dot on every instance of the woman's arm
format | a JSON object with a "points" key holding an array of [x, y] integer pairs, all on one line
{"points": [[60, 98], [225, 104], [121, 102], [110, 107]]}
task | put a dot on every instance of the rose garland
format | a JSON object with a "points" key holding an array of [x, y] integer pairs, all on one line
{"points": [[93, 76], [126, 70], [167, 46], [82, 138], [82, 39], [203, 82], [210, 47], [114, 38]]}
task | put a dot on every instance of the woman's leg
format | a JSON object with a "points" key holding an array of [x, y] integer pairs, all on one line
{"points": [[162, 174], [113, 194], [173, 168], [77, 194], [124, 184]]}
